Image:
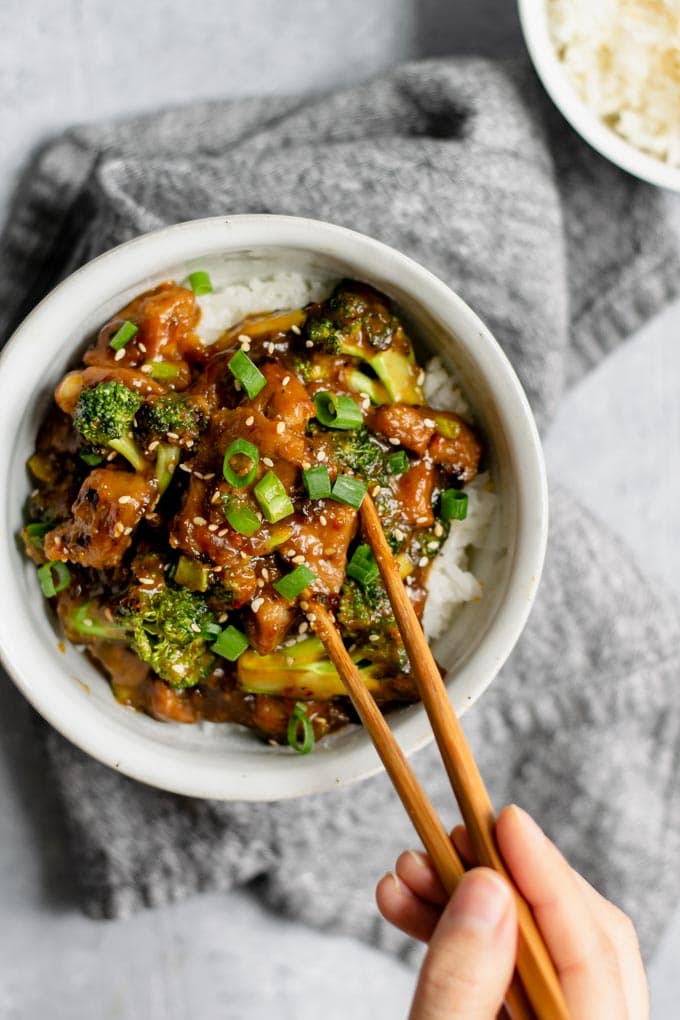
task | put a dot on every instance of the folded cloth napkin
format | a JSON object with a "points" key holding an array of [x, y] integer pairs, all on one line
{"points": [[462, 165]]}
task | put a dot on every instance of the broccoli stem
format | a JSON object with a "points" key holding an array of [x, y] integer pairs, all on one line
{"points": [[127, 447], [299, 671], [362, 383], [167, 459]]}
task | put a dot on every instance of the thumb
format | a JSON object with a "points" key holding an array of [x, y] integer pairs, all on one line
{"points": [[471, 956]]}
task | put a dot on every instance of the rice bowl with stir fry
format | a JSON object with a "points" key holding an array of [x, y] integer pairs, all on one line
{"points": [[201, 473]]}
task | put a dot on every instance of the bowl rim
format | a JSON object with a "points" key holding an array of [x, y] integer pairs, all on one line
{"points": [[533, 16], [128, 265]]}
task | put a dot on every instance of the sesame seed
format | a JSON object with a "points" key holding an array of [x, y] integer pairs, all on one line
{"points": [[218, 570], [375, 491], [209, 476], [281, 427], [394, 441], [330, 550], [147, 369], [118, 529], [303, 628], [285, 380], [298, 559], [153, 445], [290, 551], [422, 520], [250, 420], [141, 346], [185, 467], [125, 499], [145, 580], [57, 541], [296, 330], [119, 355], [222, 532], [265, 573], [137, 383], [197, 474], [172, 435], [111, 456], [399, 534], [196, 629], [271, 347], [423, 561], [311, 617], [237, 385], [259, 583], [223, 617], [215, 498], [289, 662], [374, 637], [199, 521], [323, 520], [421, 377], [322, 456], [212, 527], [365, 403], [244, 555], [409, 581], [309, 343], [268, 462], [438, 530], [430, 423], [189, 443], [257, 604], [304, 606]]}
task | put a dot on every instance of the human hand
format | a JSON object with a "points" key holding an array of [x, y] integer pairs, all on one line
{"points": [[473, 937]]}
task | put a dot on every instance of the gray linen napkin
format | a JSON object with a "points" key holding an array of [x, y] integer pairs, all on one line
{"points": [[462, 165]]}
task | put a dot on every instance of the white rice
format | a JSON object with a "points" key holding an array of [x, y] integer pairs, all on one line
{"points": [[623, 57], [451, 582]]}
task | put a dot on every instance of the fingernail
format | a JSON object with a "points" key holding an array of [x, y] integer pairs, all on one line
{"points": [[480, 900], [395, 878], [529, 827], [418, 858]]}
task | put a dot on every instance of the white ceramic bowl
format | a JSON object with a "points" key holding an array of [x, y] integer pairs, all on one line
{"points": [[552, 72], [225, 761]]}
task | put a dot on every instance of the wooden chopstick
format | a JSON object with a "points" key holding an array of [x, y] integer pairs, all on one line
{"points": [[419, 808], [534, 964]]}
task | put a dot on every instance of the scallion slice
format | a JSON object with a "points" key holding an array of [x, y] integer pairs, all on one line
{"points": [[454, 505], [36, 531], [247, 374], [292, 584], [397, 463], [91, 459], [273, 498], [200, 282], [242, 519], [317, 482], [123, 335], [349, 490], [230, 644], [362, 566], [163, 370], [336, 411], [300, 730], [242, 448], [54, 577]]}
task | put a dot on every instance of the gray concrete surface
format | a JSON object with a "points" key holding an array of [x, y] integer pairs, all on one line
{"points": [[63, 61]]}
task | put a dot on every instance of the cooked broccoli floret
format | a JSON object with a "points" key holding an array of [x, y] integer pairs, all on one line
{"points": [[302, 670], [358, 451], [355, 322], [172, 418], [104, 416], [170, 628], [365, 610]]}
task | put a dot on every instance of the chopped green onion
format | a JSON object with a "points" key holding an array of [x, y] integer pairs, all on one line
{"points": [[200, 282], [85, 623], [292, 584], [302, 742], [349, 490], [123, 335], [242, 518], [241, 448], [247, 374], [163, 370], [454, 505], [362, 566], [54, 577], [317, 482], [273, 498], [211, 630], [397, 463], [36, 532], [91, 459], [230, 644], [337, 412], [192, 574]]}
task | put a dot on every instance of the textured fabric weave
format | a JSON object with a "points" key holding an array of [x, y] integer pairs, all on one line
{"points": [[463, 166]]}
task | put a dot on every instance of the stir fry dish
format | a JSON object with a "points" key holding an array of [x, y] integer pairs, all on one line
{"points": [[188, 499]]}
